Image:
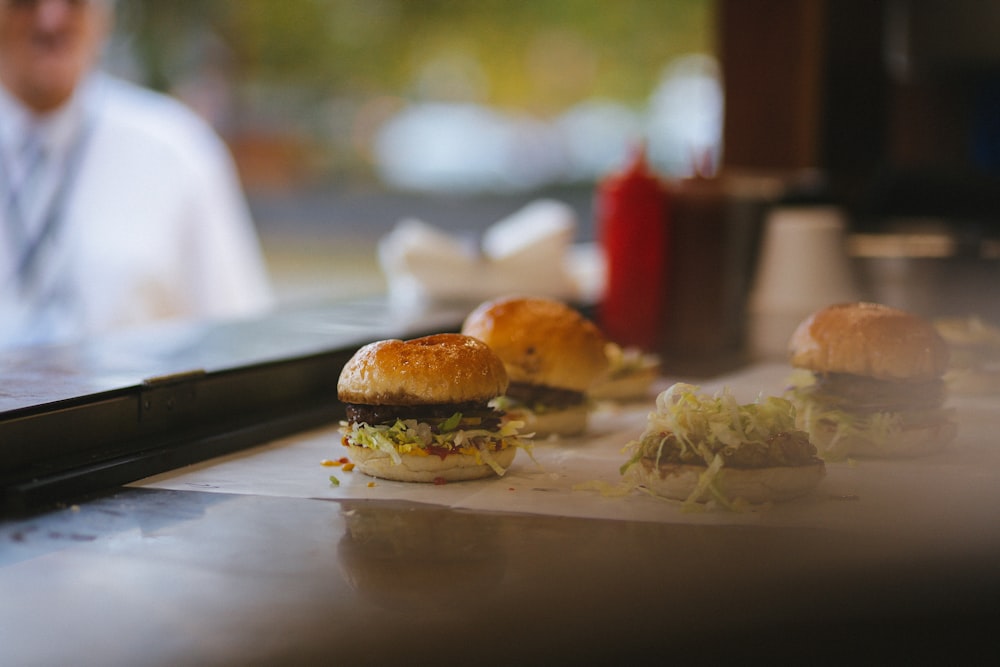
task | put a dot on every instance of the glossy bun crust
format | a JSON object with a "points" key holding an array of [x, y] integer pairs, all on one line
{"points": [[870, 340], [443, 368], [541, 341]]}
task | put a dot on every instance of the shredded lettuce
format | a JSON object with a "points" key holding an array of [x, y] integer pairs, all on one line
{"points": [[706, 483], [832, 428], [452, 422], [409, 436], [625, 361], [704, 426]]}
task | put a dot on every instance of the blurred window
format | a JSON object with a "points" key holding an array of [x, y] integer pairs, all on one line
{"points": [[438, 95]]}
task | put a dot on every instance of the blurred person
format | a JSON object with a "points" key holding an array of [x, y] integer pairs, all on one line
{"points": [[119, 206]]}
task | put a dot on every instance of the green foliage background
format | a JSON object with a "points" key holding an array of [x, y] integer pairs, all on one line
{"points": [[330, 69], [376, 45]]}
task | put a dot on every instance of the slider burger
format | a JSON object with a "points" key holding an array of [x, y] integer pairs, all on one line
{"points": [[700, 448], [974, 355], [553, 355], [874, 387], [418, 410]]}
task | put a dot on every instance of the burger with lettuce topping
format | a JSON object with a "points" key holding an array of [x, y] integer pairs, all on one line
{"points": [[553, 356], [871, 382], [700, 448], [419, 410]]}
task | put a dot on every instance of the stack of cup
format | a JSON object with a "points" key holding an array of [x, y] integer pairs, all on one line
{"points": [[803, 266]]}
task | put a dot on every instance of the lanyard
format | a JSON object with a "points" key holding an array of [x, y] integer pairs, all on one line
{"points": [[30, 248], [32, 155]]}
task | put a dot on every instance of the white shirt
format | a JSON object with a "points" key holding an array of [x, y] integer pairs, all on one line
{"points": [[153, 224]]}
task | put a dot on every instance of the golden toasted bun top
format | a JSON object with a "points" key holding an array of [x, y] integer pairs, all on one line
{"points": [[871, 340], [443, 368], [541, 341]]}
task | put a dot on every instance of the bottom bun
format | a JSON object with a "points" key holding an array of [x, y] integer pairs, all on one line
{"points": [[566, 422], [414, 468], [754, 485], [910, 442]]}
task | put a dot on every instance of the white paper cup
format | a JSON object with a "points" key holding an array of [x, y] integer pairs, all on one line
{"points": [[803, 266]]}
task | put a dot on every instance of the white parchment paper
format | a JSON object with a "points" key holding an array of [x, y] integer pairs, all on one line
{"points": [[948, 496]]}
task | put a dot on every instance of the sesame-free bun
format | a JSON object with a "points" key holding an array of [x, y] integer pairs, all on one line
{"points": [[871, 340], [427, 468], [754, 485], [541, 341], [438, 369]]}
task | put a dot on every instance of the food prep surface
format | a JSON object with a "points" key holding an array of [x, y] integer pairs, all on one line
{"points": [[257, 558]]}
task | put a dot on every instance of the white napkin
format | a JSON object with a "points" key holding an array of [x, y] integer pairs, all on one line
{"points": [[525, 253]]}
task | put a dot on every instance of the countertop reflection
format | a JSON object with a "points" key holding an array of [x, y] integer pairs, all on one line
{"points": [[152, 577]]}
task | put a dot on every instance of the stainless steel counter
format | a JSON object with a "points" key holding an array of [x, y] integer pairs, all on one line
{"points": [[144, 576]]}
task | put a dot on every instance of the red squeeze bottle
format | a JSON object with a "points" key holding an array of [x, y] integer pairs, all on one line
{"points": [[633, 229]]}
